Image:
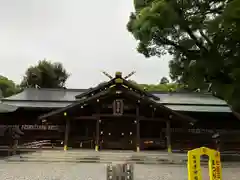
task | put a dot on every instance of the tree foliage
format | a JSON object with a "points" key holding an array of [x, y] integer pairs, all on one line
{"points": [[162, 87], [164, 80], [166, 87], [203, 36], [45, 75], [7, 87]]}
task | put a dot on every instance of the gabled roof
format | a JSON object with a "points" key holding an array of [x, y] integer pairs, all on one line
{"points": [[124, 82], [75, 104], [127, 92], [59, 98]]}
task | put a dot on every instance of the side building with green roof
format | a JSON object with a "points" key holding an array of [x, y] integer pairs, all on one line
{"points": [[119, 115]]}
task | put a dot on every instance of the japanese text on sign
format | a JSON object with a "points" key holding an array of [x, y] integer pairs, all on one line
{"points": [[194, 167]]}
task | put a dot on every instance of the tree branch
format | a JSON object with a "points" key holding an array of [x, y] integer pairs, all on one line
{"points": [[205, 37], [187, 28], [164, 41]]}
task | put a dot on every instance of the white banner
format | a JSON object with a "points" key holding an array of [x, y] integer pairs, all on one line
{"points": [[35, 127], [200, 131]]}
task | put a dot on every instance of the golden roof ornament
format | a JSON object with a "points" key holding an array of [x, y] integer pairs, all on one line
{"points": [[118, 74]]}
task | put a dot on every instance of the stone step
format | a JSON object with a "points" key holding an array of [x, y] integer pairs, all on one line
{"points": [[133, 155], [163, 161], [62, 153], [101, 157], [78, 157]]}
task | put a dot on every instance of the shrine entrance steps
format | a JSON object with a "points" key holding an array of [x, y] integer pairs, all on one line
{"points": [[105, 156]]}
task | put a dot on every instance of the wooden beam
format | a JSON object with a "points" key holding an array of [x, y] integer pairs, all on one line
{"points": [[131, 116], [85, 118], [142, 118], [153, 112], [112, 115]]}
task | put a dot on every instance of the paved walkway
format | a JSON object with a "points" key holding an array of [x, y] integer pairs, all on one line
{"points": [[143, 157], [102, 156], [94, 171]]}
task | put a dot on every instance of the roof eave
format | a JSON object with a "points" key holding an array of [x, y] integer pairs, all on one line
{"points": [[132, 93], [77, 103], [183, 117], [5, 108], [139, 89], [91, 90]]}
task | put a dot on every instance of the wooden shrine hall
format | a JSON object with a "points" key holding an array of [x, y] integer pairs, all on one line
{"points": [[120, 115], [118, 110]]}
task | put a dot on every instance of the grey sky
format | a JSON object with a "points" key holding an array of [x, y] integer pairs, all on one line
{"points": [[86, 36]]}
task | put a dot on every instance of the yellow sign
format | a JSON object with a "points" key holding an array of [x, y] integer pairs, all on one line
{"points": [[194, 165]]}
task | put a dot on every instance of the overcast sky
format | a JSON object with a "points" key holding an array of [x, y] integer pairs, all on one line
{"points": [[86, 36]]}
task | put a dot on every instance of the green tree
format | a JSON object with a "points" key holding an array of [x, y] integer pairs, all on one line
{"points": [[164, 80], [201, 35], [45, 75], [166, 87], [7, 87], [171, 87]]}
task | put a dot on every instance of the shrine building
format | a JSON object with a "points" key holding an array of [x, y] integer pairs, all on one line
{"points": [[120, 115]]}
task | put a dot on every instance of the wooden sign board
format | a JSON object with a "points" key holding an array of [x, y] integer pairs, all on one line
{"points": [[118, 107]]}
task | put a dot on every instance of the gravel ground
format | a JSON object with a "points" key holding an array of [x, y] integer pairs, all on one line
{"points": [[174, 172], [95, 171]]}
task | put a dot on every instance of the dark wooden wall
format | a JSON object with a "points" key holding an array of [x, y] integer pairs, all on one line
{"points": [[85, 130]]}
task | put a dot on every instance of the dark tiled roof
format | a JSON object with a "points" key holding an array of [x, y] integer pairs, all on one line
{"points": [[195, 108], [187, 98], [57, 98], [33, 94], [39, 104], [200, 102]]}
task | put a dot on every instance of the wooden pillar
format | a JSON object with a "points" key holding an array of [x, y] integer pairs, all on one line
{"points": [[67, 130], [168, 136], [97, 127], [138, 129], [97, 135]]}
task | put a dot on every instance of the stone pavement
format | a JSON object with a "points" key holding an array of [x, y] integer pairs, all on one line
{"points": [[96, 171], [102, 156], [143, 157]]}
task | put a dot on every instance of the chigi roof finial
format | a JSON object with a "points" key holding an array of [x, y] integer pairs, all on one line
{"points": [[106, 74], [130, 74], [118, 74]]}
